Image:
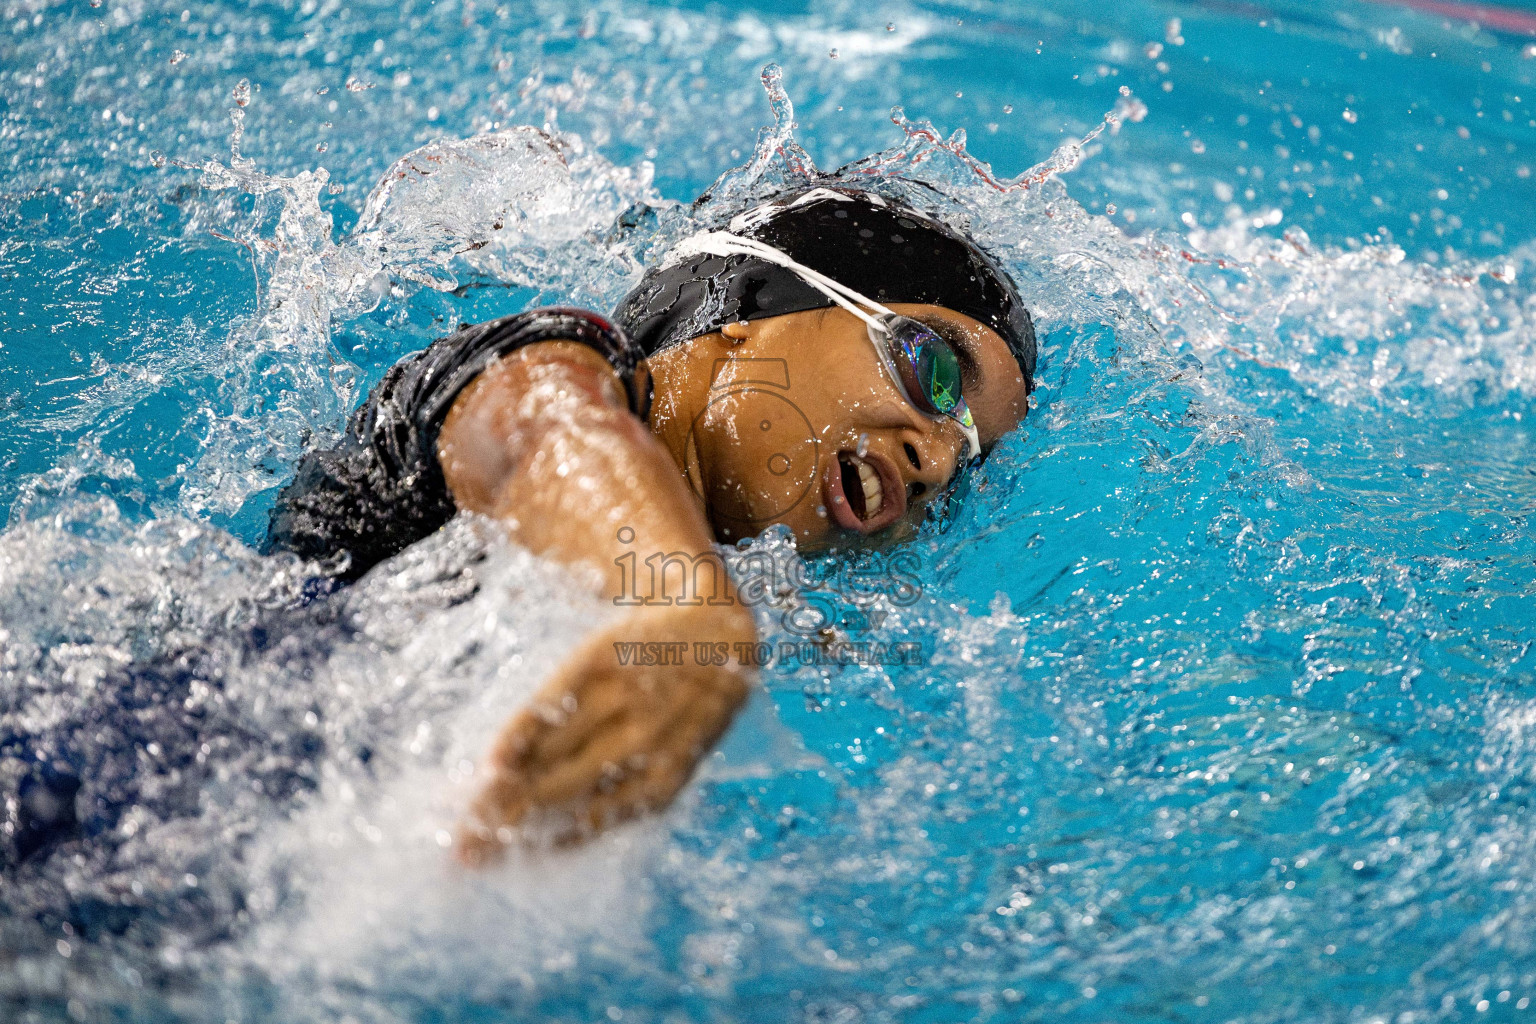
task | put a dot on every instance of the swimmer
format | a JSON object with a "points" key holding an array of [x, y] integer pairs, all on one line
{"points": [[830, 360]]}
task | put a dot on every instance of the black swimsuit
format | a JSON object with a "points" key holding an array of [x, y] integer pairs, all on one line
{"points": [[381, 490]]}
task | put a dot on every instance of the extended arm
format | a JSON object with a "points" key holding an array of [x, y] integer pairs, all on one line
{"points": [[542, 441]]}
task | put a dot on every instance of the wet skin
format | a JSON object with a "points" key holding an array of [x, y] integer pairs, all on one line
{"points": [[763, 422], [757, 452]]}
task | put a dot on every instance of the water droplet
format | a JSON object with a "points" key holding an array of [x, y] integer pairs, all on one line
{"points": [[890, 26], [1350, 115], [863, 446], [832, 53], [242, 93], [1125, 90], [1007, 108], [958, 94], [353, 85], [177, 57], [1109, 208]]}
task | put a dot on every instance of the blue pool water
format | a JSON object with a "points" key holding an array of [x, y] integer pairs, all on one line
{"points": [[1229, 703]]}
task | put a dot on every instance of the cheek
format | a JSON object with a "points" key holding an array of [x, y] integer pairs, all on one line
{"points": [[832, 374], [759, 457]]}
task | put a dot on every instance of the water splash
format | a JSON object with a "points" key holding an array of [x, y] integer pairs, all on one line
{"points": [[515, 207], [778, 160], [1184, 647], [923, 141]]}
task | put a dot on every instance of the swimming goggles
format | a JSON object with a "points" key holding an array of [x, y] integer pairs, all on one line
{"points": [[918, 360]]}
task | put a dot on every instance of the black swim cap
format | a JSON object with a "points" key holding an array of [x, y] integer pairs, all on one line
{"points": [[863, 241]]}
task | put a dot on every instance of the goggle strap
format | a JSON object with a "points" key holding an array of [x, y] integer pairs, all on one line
{"points": [[723, 243]]}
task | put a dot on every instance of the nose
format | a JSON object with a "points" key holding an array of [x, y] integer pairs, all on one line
{"points": [[931, 459]]}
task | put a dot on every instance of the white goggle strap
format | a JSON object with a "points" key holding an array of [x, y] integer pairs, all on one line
{"points": [[723, 243]]}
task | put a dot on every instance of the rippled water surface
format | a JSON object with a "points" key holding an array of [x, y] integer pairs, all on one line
{"points": [[1229, 703]]}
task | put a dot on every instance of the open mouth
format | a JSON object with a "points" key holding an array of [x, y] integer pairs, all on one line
{"points": [[861, 486], [863, 493]]}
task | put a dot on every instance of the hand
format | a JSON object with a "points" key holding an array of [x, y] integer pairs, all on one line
{"points": [[604, 741]]}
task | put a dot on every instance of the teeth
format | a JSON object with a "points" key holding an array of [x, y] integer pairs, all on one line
{"points": [[874, 495]]}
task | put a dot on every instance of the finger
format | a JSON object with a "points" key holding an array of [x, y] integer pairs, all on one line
{"points": [[607, 758], [487, 830], [591, 687], [674, 746], [610, 763], [602, 747], [590, 713], [515, 742], [503, 801], [681, 728], [570, 772], [475, 848], [646, 789]]}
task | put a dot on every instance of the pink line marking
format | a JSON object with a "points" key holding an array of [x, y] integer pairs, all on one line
{"points": [[1502, 18]]}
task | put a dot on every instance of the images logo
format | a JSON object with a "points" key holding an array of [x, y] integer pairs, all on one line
{"points": [[753, 395]]}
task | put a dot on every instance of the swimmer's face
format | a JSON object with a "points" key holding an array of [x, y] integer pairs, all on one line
{"points": [[794, 419]]}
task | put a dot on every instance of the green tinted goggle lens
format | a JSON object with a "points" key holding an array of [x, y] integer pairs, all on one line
{"points": [[928, 367], [938, 373], [927, 371]]}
